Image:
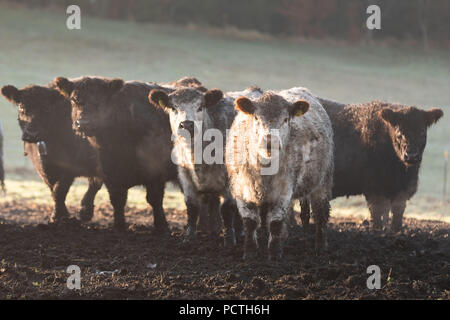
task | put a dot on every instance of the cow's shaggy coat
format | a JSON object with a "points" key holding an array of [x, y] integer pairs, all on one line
{"points": [[304, 149], [45, 119], [378, 152], [133, 138]]}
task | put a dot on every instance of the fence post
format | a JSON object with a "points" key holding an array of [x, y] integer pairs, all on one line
{"points": [[444, 195]]}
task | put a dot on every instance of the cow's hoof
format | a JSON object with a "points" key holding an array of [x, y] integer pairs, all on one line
{"points": [[59, 219], [86, 213], [190, 235], [275, 258], [250, 255], [229, 240], [189, 238], [120, 227], [240, 237], [275, 249], [161, 226]]}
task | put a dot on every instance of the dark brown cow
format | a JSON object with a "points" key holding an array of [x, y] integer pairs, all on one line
{"points": [[378, 152], [58, 155], [133, 138]]}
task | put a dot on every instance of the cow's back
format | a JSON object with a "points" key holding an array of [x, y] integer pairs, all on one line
{"points": [[139, 148]]}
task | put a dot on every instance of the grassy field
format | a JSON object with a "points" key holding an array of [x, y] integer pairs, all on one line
{"points": [[35, 47]]}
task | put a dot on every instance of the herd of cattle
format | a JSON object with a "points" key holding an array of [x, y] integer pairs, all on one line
{"points": [[132, 133]]}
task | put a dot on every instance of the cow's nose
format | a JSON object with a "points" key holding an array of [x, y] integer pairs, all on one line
{"points": [[187, 125], [412, 157], [81, 123], [269, 141]]}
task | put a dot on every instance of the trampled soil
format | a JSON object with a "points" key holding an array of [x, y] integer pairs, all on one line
{"points": [[140, 264]]}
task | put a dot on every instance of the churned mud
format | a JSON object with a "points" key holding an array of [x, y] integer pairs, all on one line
{"points": [[141, 264]]}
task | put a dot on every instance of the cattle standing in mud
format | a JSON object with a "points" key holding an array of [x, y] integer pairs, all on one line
{"points": [[133, 139], [197, 116], [292, 129], [58, 155], [378, 152]]}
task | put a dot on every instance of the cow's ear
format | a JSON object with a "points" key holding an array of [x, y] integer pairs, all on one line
{"points": [[244, 105], [299, 108], [212, 97], [11, 93], [115, 85], [64, 86], [389, 115], [433, 115], [160, 99]]}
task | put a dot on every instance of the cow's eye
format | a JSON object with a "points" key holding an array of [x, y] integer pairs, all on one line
{"points": [[200, 109], [286, 120]]}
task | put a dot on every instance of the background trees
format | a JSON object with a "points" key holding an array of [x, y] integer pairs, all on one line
{"points": [[422, 21]]}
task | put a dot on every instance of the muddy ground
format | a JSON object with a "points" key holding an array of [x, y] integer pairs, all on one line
{"points": [[140, 264]]}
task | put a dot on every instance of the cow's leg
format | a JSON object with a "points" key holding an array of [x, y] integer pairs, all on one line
{"points": [[251, 241], [228, 211], [118, 197], [379, 207], [155, 196], [203, 215], [291, 215], [238, 227], [277, 236], [193, 201], [87, 203], [193, 210], [250, 218], [59, 192], [214, 221], [321, 211], [398, 208], [305, 214]]}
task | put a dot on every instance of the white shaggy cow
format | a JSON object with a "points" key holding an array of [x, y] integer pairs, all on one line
{"points": [[280, 147], [198, 118]]}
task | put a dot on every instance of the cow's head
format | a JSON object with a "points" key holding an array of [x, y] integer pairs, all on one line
{"points": [[36, 108], [187, 108], [270, 119], [90, 99], [408, 130]]}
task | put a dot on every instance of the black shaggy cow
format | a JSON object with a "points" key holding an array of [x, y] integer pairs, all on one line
{"points": [[133, 138], [378, 152], [58, 155]]}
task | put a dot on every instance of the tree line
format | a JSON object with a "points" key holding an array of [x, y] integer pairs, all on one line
{"points": [[425, 21]]}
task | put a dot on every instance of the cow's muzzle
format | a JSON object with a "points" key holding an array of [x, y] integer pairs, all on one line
{"points": [[84, 126], [272, 143], [188, 125], [412, 158], [31, 136]]}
